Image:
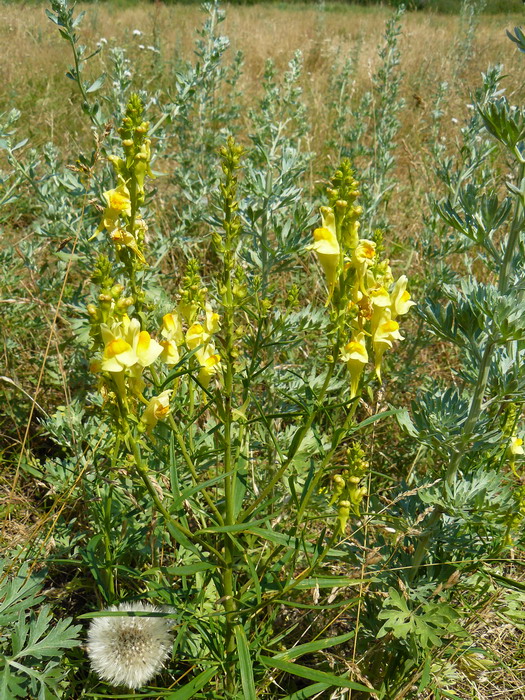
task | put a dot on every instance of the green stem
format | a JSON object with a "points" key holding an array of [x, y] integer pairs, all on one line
{"points": [[297, 443], [229, 466], [191, 467], [143, 473]]}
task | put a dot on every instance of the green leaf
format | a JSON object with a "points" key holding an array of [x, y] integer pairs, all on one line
{"points": [[186, 570], [189, 690], [307, 692], [245, 664], [310, 647], [97, 84], [313, 675]]}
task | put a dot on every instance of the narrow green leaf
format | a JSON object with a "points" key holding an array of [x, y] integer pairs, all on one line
{"points": [[186, 570], [189, 690], [291, 542], [245, 664], [313, 675], [310, 647], [307, 692]]}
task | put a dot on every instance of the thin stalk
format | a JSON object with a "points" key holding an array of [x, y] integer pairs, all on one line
{"points": [[143, 473], [302, 434], [191, 467], [230, 465], [110, 581]]}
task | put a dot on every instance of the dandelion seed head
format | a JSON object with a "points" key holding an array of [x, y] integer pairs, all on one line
{"points": [[129, 651]]}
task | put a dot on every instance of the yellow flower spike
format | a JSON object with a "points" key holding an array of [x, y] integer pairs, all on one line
{"points": [[147, 349], [157, 409], [213, 320], [170, 352], [401, 303], [121, 237], [172, 328], [386, 332], [118, 202], [195, 336], [355, 356], [210, 363]]}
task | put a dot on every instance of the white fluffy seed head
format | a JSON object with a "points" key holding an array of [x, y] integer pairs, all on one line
{"points": [[129, 651]]}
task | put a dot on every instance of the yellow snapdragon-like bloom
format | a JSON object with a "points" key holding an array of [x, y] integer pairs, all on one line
{"points": [[401, 302], [157, 409], [125, 345], [118, 202], [210, 363], [326, 246], [212, 323], [196, 335], [172, 327], [121, 237], [516, 446], [386, 332], [362, 257], [147, 349], [355, 356], [174, 337]]}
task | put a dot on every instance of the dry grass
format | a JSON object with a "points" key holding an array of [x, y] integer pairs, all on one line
{"points": [[33, 75]]}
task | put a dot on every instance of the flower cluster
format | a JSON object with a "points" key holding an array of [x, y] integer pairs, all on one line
{"points": [[365, 300], [124, 347], [198, 338], [348, 490]]}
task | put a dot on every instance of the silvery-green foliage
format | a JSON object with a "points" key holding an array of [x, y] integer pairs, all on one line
{"points": [[207, 107], [276, 218], [371, 128], [31, 642]]}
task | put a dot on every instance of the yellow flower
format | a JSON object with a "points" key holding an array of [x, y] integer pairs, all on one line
{"points": [[362, 257], [386, 332], [381, 300], [118, 202], [365, 251], [118, 352], [196, 335], [121, 237], [326, 247], [170, 352], [356, 356], [125, 345], [147, 349], [157, 409], [172, 327], [516, 446], [213, 320], [400, 298], [210, 363]]}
